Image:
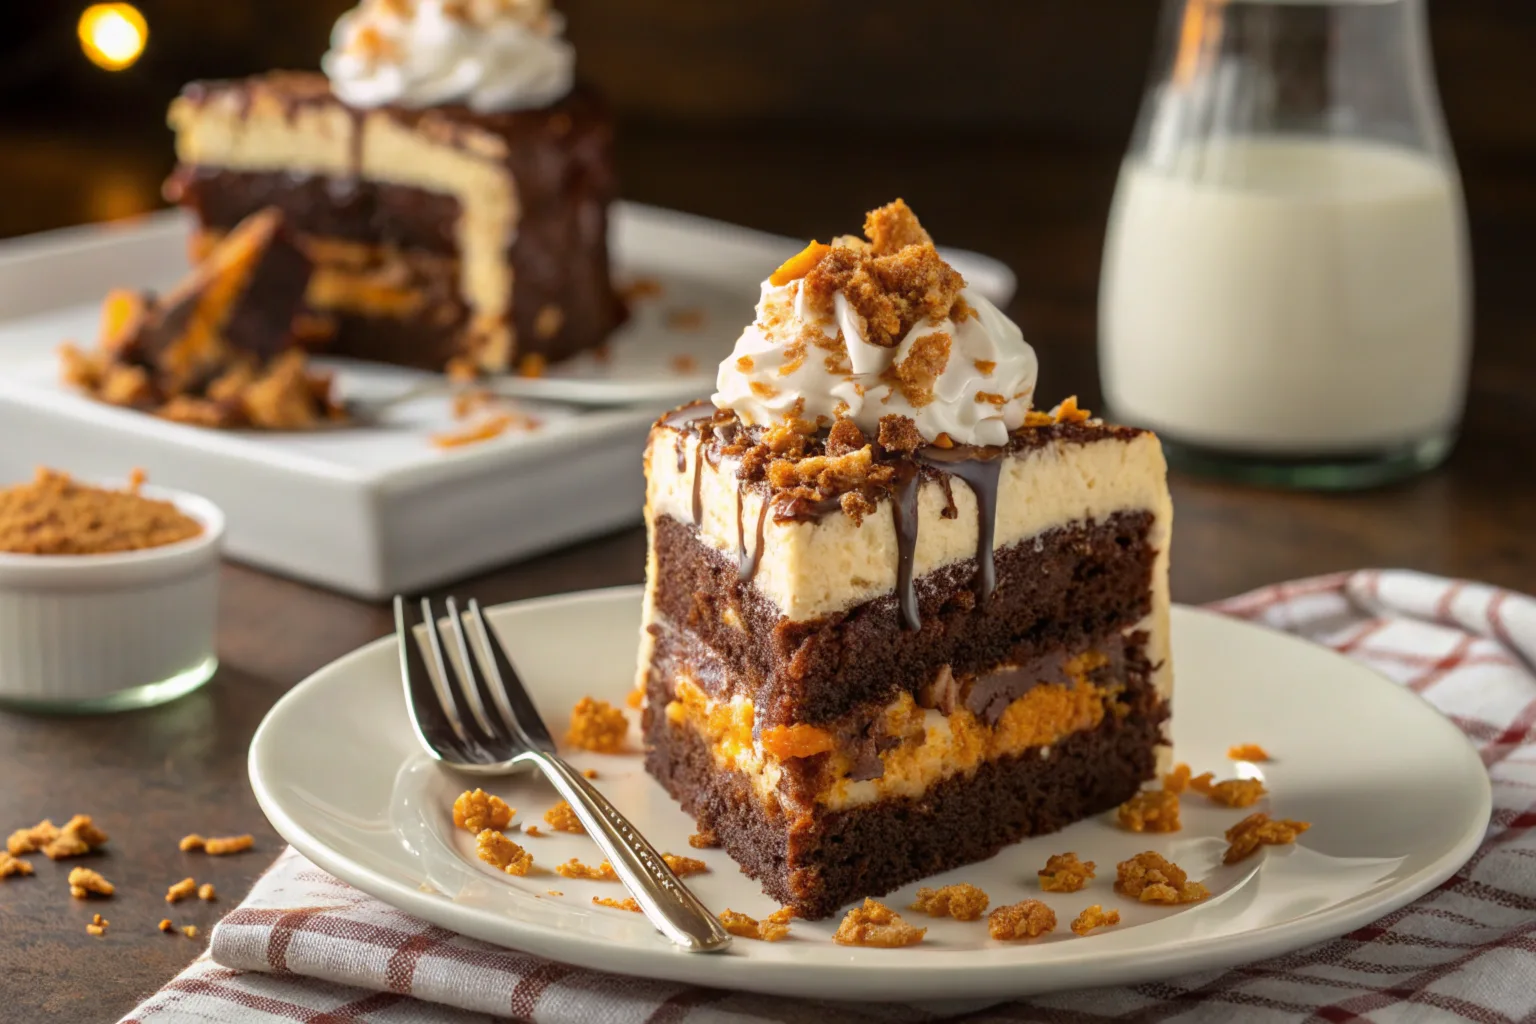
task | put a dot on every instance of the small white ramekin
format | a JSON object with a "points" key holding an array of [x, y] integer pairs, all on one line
{"points": [[111, 632]]}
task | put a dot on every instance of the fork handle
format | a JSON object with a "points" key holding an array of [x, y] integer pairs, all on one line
{"points": [[668, 903]]}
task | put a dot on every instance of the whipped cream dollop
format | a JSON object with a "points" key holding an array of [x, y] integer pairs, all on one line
{"points": [[492, 55], [970, 375]]}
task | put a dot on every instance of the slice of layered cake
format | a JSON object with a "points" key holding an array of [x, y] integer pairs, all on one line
{"points": [[895, 619], [447, 180]]}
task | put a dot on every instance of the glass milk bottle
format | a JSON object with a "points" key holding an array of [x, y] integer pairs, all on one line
{"points": [[1286, 288]]}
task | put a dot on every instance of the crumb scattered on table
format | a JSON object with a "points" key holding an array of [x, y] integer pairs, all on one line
{"points": [[191, 842], [502, 853], [166, 926], [875, 924], [627, 903], [1151, 810], [221, 846], [10, 865], [1247, 752], [772, 928], [1094, 917], [1230, 793], [1063, 872], [84, 882], [1152, 878], [562, 818], [181, 890], [78, 837], [30, 840], [207, 893], [475, 810], [190, 931], [1257, 830], [1027, 919], [963, 902], [598, 726]]}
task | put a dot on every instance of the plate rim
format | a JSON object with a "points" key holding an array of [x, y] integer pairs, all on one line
{"points": [[886, 978]]}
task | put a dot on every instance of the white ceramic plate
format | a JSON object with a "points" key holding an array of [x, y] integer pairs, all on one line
{"points": [[1397, 799]]}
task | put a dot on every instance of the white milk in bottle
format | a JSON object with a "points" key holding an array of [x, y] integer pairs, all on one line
{"points": [[1287, 296]]}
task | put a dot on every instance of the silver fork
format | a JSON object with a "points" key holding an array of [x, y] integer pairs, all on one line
{"points": [[492, 728]]}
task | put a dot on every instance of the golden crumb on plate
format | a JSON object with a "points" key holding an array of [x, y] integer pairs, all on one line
{"points": [[220, 846], [10, 865], [1028, 919], [181, 890], [597, 725], [562, 818], [532, 830], [689, 318], [628, 903], [683, 867], [1063, 872], [502, 853], [553, 892], [1230, 793], [488, 428], [770, 929], [1093, 917], [84, 882], [1152, 878], [1247, 752], [1151, 810], [875, 924], [1177, 781], [1257, 830], [574, 868], [684, 364], [963, 902], [635, 699], [589, 773], [476, 810], [703, 839]]}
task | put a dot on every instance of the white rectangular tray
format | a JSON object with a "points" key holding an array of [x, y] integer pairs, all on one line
{"points": [[381, 511]]}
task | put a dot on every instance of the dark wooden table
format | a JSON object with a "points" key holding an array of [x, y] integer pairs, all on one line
{"points": [[151, 776]]}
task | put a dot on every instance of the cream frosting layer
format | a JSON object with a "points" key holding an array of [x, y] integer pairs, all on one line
{"points": [[813, 569], [318, 138]]}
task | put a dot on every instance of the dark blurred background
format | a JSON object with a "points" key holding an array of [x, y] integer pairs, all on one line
{"points": [[1002, 121]]}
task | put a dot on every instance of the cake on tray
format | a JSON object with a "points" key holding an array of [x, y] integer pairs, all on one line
{"points": [[448, 181], [894, 618]]}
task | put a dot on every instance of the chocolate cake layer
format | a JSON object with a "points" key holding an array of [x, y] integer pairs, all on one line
{"points": [[1054, 592], [818, 861], [372, 212]]}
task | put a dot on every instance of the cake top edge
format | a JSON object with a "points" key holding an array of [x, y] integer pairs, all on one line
{"points": [[807, 475]]}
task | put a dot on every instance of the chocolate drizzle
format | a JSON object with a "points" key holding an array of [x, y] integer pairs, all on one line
{"points": [[904, 514], [747, 564], [698, 484], [982, 474]]}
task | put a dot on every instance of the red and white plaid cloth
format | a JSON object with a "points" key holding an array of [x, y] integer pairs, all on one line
{"points": [[307, 947]]}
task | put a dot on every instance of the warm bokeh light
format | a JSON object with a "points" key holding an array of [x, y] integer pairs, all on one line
{"points": [[112, 35]]}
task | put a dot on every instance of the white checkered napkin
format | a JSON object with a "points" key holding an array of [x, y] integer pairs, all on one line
{"points": [[306, 947]]}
